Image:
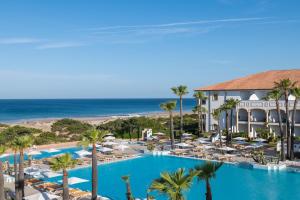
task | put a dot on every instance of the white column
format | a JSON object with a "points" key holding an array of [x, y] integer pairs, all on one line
{"points": [[249, 125], [237, 120]]}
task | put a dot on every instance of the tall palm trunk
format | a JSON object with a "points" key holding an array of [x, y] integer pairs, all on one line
{"points": [[128, 191], [227, 128], [231, 125], [293, 128], [199, 124], [208, 190], [219, 131], [288, 133], [172, 130], [201, 119], [16, 176], [181, 117], [281, 131], [21, 174], [65, 185], [94, 173], [1, 181]]}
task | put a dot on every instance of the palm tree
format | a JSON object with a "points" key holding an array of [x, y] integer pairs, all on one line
{"points": [[199, 110], [63, 163], [180, 91], [276, 95], [206, 172], [93, 137], [296, 93], [128, 188], [226, 108], [285, 86], [16, 176], [2, 151], [173, 184], [216, 115], [169, 107], [232, 103], [200, 96], [21, 143]]}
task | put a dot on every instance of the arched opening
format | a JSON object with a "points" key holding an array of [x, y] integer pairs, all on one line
{"points": [[243, 115], [273, 116], [258, 115]]}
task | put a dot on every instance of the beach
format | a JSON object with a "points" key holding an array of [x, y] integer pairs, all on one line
{"points": [[45, 124]]}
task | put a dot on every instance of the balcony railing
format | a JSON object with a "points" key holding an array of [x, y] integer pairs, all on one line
{"points": [[265, 105]]}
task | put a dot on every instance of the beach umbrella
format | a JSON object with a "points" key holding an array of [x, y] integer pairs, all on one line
{"points": [[183, 145], [122, 147], [105, 149], [240, 138], [109, 134], [52, 150], [186, 135], [109, 138], [259, 140], [4, 155], [50, 174], [227, 149], [159, 134], [109, 143], [42, 196], [75, 180], [33, 153], [83, 153]]}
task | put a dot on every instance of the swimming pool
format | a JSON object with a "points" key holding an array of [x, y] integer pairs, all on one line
{"points": [[232, 182], [45, 154]]}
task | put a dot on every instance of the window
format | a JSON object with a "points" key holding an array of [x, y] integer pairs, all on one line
{"points": [[215, 97], [203, 101]]}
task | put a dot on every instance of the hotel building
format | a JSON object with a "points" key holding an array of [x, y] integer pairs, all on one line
{"points": [[253, 111]]}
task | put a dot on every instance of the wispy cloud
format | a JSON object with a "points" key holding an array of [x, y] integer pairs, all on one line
{"points": [[19, 40], [59, 45], [186, 23]]}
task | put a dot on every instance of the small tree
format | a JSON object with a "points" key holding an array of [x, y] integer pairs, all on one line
{"points": [[169, 107], [128, 188], [63, 163], [206, 172]]}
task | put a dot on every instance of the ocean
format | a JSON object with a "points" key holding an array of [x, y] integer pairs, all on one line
{"points": [[14, 110]]}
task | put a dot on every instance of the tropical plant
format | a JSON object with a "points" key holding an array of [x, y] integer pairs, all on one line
{"points": [[276, 95], [173, 184], [21, 143], [259, 157], [199, 110], [128, 188], [13, 146], [2, 151], [232, 103], [200, 96], [216, 115], [169, 107], [93, 137], [63, 163], [226, 108], [206, 172], [180, 91], [286, 86], [296, 93]]}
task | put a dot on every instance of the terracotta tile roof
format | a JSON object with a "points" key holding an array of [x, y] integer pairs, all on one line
{"points": [[260, 81]]}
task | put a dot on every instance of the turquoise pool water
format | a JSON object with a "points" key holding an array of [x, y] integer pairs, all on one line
{"points": [[44, 154], [232, 182]]}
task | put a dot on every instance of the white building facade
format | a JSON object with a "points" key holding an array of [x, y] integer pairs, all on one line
{"points": [[253, 112]]}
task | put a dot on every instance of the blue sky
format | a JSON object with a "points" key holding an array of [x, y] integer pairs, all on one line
{"points": [[140, 48]]}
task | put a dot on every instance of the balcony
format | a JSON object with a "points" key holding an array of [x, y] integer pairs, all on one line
{"points": [[264, 105]]}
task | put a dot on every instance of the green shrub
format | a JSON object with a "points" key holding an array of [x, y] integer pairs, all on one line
{"points": [[70, 126]]}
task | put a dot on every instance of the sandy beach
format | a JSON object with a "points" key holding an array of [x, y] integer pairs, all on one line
{"points": [[45, 124]]}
